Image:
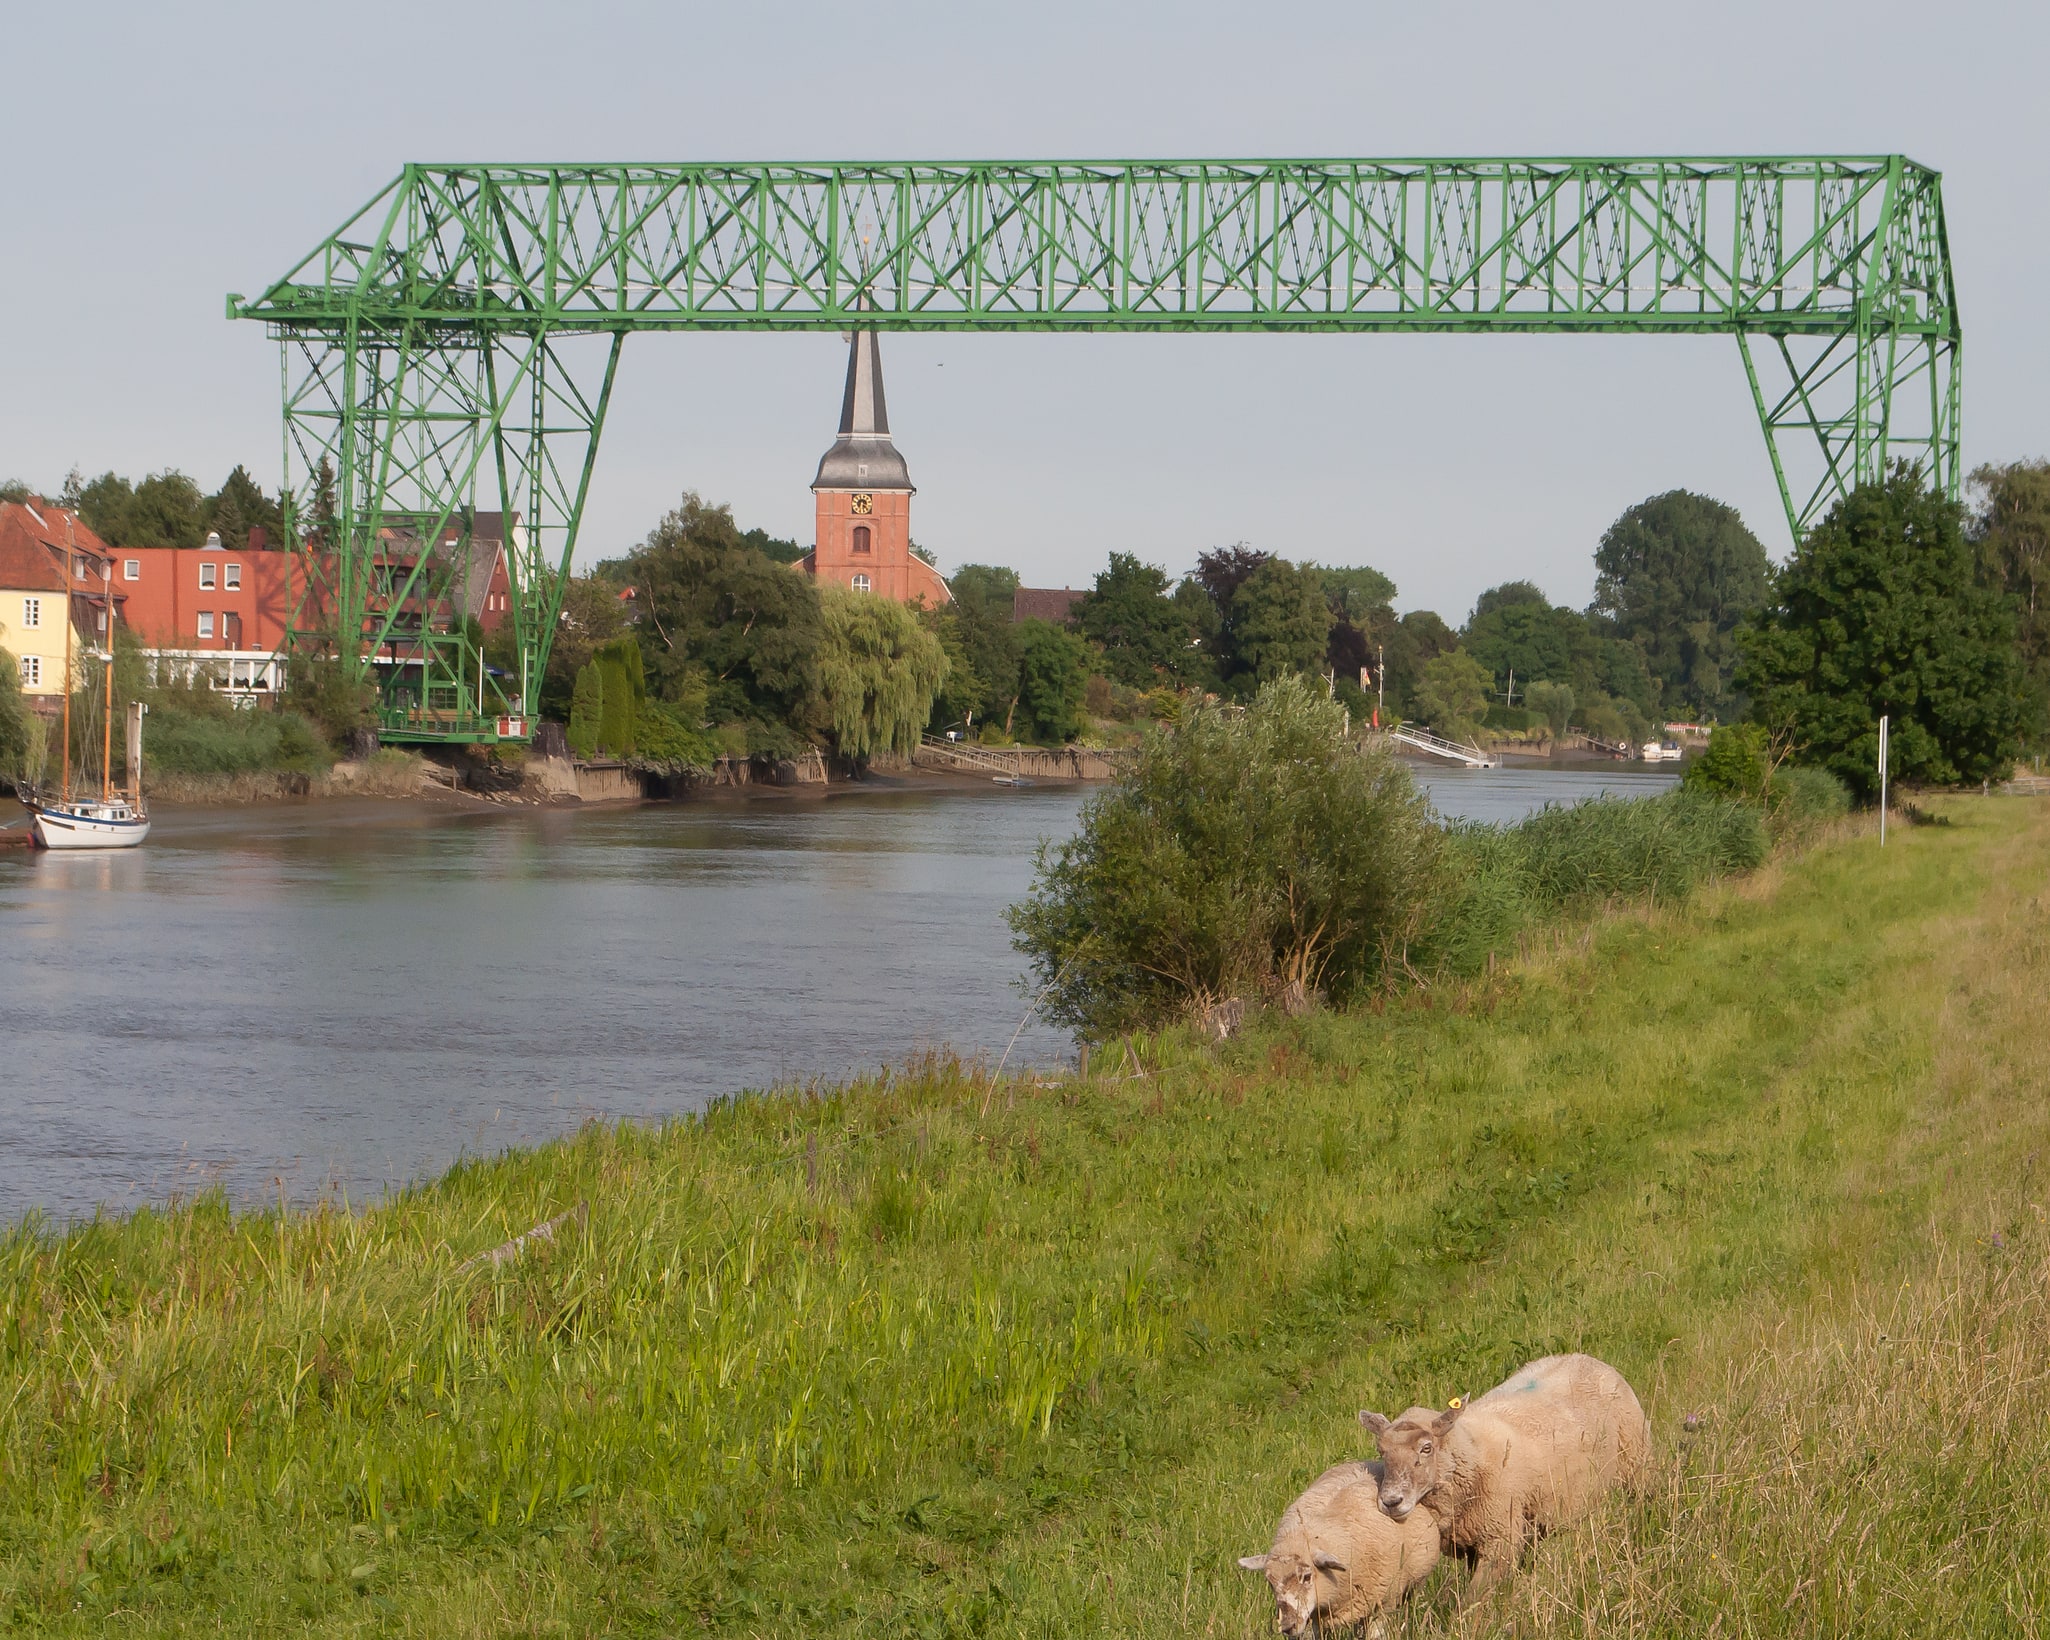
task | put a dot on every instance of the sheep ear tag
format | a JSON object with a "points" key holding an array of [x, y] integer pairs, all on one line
{"points": [[1253, 1563], [1450, 1416]]}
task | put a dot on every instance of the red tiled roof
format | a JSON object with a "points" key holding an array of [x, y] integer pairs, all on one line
{"points": [[1045, 603], [32, 541]]}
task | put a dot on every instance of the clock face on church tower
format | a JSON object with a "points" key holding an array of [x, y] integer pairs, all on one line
{"points": [[864, 504]]}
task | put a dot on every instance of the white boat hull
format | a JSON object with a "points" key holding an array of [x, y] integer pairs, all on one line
{"points": [[58, 828]]}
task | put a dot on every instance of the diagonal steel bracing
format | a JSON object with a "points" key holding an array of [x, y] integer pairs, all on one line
{"points": [[453, 345]]}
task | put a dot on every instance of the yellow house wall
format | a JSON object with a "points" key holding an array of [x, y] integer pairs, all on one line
{"points": [[45, 640]]}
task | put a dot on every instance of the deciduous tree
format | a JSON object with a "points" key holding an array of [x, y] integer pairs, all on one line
{"points": [[1280, 622], [2011, 527], [710, 605], [1130, 614], [1053, 682], [879, 670], [1676, 575], [1883, 610], [1452, 694]]}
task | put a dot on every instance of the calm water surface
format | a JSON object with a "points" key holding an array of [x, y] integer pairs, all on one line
{"points": [[344, 997]]}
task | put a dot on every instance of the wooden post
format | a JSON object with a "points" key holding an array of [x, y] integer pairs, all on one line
{"points": [[135, 710]]}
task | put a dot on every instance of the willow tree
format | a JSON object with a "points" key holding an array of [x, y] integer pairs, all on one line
{"points": [[879, 671]]}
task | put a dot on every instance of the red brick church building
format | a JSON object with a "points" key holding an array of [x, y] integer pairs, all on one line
{"points": [[863, 494]]}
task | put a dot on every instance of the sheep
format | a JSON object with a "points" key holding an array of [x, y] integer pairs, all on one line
{"points": [[1338, 1559], [1533, 1454]]}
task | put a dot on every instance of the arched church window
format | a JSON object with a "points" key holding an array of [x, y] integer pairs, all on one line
{"points": [[861, 583], [861, 541]]}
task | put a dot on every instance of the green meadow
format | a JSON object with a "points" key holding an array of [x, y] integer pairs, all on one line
{"points": [[937, 1354]]}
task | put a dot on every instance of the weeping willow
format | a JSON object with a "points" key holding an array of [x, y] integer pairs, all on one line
{"points": [[879, 671]]}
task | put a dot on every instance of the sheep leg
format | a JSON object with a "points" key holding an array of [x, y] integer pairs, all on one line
{"points": [[1497, 1562]]}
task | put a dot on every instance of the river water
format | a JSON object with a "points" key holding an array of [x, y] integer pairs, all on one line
{"points": [[343, 997]]}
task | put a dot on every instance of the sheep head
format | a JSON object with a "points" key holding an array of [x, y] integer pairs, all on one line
{"points": [[1412, 1455], [1302, 1587]]}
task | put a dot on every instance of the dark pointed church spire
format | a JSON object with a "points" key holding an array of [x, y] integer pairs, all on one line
{"points": [[862, 457], [862, 410]]}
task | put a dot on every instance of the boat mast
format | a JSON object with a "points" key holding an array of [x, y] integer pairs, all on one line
{"points": [[107, 744], [64, 791]]}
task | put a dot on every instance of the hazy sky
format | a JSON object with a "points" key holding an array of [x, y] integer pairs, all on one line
{"points": [[155, 157]]}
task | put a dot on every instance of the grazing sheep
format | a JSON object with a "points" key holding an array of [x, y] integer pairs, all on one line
{"points": [[1531, 1455], [1338, 1559]]}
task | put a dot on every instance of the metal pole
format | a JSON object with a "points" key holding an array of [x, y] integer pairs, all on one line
{"points": [[1882, 780], [1380, 681]]}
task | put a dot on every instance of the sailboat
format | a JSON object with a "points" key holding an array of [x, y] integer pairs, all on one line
{"points": [[116, 818]]}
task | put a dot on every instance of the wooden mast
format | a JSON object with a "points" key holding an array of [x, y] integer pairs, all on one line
{"points": [[64, 792], [107, 681]]}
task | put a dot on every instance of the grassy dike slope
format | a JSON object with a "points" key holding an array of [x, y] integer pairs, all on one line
{"points": [[937, 1357]]}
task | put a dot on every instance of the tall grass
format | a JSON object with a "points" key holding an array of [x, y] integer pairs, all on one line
{"points": [[1877, 1473], [1506, 880], [182, 740], [940, 1355]]}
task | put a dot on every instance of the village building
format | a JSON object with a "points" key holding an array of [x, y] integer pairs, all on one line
{"points": [[219, 614], [57, 597], [213, 614], [862, 497], [1055, 604]]}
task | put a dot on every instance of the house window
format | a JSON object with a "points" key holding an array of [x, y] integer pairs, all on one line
{"points": [[206, 577], [99, 620], [32, 612], [861, 538], [861, 583], [234, 573], [206, 623], [78, 568], [32, 671], [131, 569]]}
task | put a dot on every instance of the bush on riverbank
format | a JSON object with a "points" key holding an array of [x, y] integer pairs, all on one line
{"points": [[1261, 855], [200, 734], [1251, 853]]}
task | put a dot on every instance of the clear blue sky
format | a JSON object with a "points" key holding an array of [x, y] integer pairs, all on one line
{"points": [[156, 157]]}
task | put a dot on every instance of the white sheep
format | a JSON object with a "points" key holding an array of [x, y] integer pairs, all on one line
{"points": [[1533, 1454], [1338, 1559]]}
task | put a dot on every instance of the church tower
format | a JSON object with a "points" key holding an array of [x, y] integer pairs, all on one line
{"points": [[863, 496]]}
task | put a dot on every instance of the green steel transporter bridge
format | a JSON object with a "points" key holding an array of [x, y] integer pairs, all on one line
{"points": [[455, 343]]}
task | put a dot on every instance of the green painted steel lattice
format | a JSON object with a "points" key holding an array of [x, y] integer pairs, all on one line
{"points": [[460, 334]]}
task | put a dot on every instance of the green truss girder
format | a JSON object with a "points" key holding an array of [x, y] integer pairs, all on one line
{"points": [[458, 336]]}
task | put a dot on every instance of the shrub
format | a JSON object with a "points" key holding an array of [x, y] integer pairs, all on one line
{"points": [[1247, 853], [586, 711], [619, 664], [1806, 797], [182, 740], [327, 697], [663, 741], [14, 716], [1735, 764]]}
